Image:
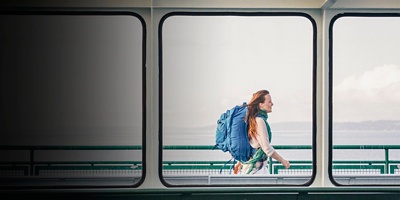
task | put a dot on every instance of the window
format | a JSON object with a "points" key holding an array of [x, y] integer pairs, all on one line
{"points": [[210, 62], [365, 85], [72, 92]]}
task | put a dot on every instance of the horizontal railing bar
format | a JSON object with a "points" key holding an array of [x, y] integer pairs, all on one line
{"points": [[185, 147], [359, 161], [80, 167], [73, 163], [361, 147], [223, 162], [53, 147], [89, 162], [209, 147], [181, 147], [196, 162]]}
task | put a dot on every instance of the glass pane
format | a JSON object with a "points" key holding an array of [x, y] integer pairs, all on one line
{"points": [[212, 63], [71, 99], [366, 100]]}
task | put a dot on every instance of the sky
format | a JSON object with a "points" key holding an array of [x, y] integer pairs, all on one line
{"points": [[366, 74], [212, 63]]}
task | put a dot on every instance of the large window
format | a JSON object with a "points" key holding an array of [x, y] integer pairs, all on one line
{"points": [[72, 92], [210, 62], [365, 88]]}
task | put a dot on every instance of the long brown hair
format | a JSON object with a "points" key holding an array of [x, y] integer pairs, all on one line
{"points": [[252, 111]]}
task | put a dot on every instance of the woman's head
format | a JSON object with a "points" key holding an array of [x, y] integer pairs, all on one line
{"points": [[261, 100]]}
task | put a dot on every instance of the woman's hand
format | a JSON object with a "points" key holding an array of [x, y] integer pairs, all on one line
{"points": [[279, 158], [286, 164]]}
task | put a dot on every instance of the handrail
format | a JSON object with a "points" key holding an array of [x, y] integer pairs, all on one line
{"points": [[33, 148], [366, 146], [386, 162], [208, 147], [179, 147], [384, 147], [55, 147]]}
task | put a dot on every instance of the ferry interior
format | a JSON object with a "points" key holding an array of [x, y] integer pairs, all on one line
{"points": [[120, 99]]}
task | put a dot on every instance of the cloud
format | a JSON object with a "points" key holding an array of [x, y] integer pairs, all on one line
{"points": [[373, 95], [380, 84]]}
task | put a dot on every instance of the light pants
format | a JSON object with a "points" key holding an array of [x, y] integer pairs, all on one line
{"points": [[259, 168]]}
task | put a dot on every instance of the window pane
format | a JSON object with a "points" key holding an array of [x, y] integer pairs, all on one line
{"points": [[212, 63], [71, 99], [366, 100]]}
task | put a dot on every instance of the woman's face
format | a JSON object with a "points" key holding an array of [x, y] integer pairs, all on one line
{"points": [[267, 104]]}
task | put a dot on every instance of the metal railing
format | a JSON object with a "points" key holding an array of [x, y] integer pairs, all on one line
{"points": [[385, 166], [33, 167]]}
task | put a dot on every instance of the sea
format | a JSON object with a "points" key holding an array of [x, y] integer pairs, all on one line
{"points": [[293, 138], [193, 138]]}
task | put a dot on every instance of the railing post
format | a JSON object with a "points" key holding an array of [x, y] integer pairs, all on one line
{"points": [[386, 161], [270, 165]]}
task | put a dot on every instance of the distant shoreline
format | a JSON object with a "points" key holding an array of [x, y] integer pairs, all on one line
{"points": [[377, 125]]}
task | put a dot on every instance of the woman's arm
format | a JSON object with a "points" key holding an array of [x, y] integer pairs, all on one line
{"points": [[279, 158], [262, 138]]}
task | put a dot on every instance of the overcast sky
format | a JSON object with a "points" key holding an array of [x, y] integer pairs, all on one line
{"points": [[213, 63], [366, 69]]}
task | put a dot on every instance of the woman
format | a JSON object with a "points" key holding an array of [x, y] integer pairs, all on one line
{"points": [[259, 134]]}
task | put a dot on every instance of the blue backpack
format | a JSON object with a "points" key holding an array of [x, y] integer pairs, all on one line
{"points": [[231, 134]]}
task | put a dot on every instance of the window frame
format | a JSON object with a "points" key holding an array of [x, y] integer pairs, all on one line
{"points": [[330, 90], [314, 89], [93, 12]]}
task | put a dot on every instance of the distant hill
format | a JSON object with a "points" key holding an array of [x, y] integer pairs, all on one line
{"points": [[379, 125]]}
